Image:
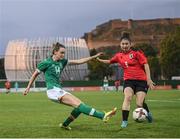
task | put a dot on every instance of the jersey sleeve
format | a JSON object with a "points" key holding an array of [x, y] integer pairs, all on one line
{"points": [[141, 57], [114, 59], [42, 66]]}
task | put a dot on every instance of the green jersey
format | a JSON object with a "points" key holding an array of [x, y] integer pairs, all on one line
{"points": [[52, 71]]}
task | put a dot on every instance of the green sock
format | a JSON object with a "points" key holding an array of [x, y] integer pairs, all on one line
{"points": [[74, 114], [90, 111]]}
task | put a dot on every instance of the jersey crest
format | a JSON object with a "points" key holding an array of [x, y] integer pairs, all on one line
{"points": [[131, 56]]}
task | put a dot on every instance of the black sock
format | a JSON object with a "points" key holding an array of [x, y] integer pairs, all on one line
{"points": [[125, 114], [145, 106]]}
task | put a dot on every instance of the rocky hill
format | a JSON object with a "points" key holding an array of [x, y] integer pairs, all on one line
{"points": [[142, 31]]}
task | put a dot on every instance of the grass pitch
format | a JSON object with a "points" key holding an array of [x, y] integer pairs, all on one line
{"points": [[34, 116]]}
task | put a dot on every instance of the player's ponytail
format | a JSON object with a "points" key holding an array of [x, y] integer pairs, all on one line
{"points": [[125, 35]]}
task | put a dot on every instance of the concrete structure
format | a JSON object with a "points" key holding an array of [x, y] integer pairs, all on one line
{"points": [[150, 31], [22, 57]]}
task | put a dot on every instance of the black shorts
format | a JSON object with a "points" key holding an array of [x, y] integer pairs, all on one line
{"points": [[136, 85]]}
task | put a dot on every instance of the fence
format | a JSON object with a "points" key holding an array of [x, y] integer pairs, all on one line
{"points": [[41, 84]]}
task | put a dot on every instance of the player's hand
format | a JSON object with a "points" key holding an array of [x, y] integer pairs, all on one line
{"points": [[98, 54], [98, 58], [151, 84], [26, 91]]}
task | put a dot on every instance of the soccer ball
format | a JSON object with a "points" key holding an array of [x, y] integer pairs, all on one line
{"points": [[139, 114]]}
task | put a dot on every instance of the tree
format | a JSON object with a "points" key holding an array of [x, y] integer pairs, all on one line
{"points": [[98, 70], [2, 70], [147, 49], [152, 56], [154, 67], [170, 54]]}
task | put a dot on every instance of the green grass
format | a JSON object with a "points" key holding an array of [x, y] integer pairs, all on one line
{"points": [[35, 116]]}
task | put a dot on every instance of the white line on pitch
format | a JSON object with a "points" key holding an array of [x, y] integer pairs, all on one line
{"points": [[152, 100]]}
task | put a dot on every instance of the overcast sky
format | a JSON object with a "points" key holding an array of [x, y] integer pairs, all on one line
{"points": [[31, 19]]}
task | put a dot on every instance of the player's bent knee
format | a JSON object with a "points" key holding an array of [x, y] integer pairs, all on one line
{"points": [[76, 104]]}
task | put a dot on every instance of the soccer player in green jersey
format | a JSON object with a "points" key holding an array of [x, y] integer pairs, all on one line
{"points": [[52, 68], [105, 84]]}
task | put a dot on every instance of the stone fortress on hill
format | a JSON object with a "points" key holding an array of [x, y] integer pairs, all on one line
{"points": [[150, 31]]}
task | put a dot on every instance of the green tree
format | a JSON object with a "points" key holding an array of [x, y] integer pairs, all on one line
{"points": [[98, 70], [170, 54], [148, 49], [154, 67], [2, 70], [152, 56]]}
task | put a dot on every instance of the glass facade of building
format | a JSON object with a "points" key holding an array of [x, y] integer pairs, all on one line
{"points": [[22, 57]]}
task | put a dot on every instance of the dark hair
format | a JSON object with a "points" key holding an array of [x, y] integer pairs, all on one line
{"points": [[125, 35], [57, 46]]}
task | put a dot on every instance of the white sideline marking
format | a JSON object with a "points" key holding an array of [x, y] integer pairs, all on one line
{"points": [[171, 101]]}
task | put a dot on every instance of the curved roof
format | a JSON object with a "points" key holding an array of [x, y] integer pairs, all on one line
{"points": [[22, 57]]}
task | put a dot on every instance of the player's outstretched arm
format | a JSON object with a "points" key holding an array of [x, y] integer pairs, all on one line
{"points": [[35, 74], [103, 60], [84, 60], [150, 83]]}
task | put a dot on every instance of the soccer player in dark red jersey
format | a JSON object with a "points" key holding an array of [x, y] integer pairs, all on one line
{"points": [[7, 86], [137, 77]]}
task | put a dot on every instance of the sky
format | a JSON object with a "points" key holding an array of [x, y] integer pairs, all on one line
{"points": [[31, 19]]}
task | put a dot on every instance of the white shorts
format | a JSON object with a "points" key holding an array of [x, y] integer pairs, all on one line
{"points": [[105, 85], [56, 94]]}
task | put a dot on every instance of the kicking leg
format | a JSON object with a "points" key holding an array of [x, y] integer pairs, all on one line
{"points": [[149, 117], [140, 101], [71, 100]]}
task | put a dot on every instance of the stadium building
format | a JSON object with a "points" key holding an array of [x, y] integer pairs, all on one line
{"points": [[22, 57]]}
